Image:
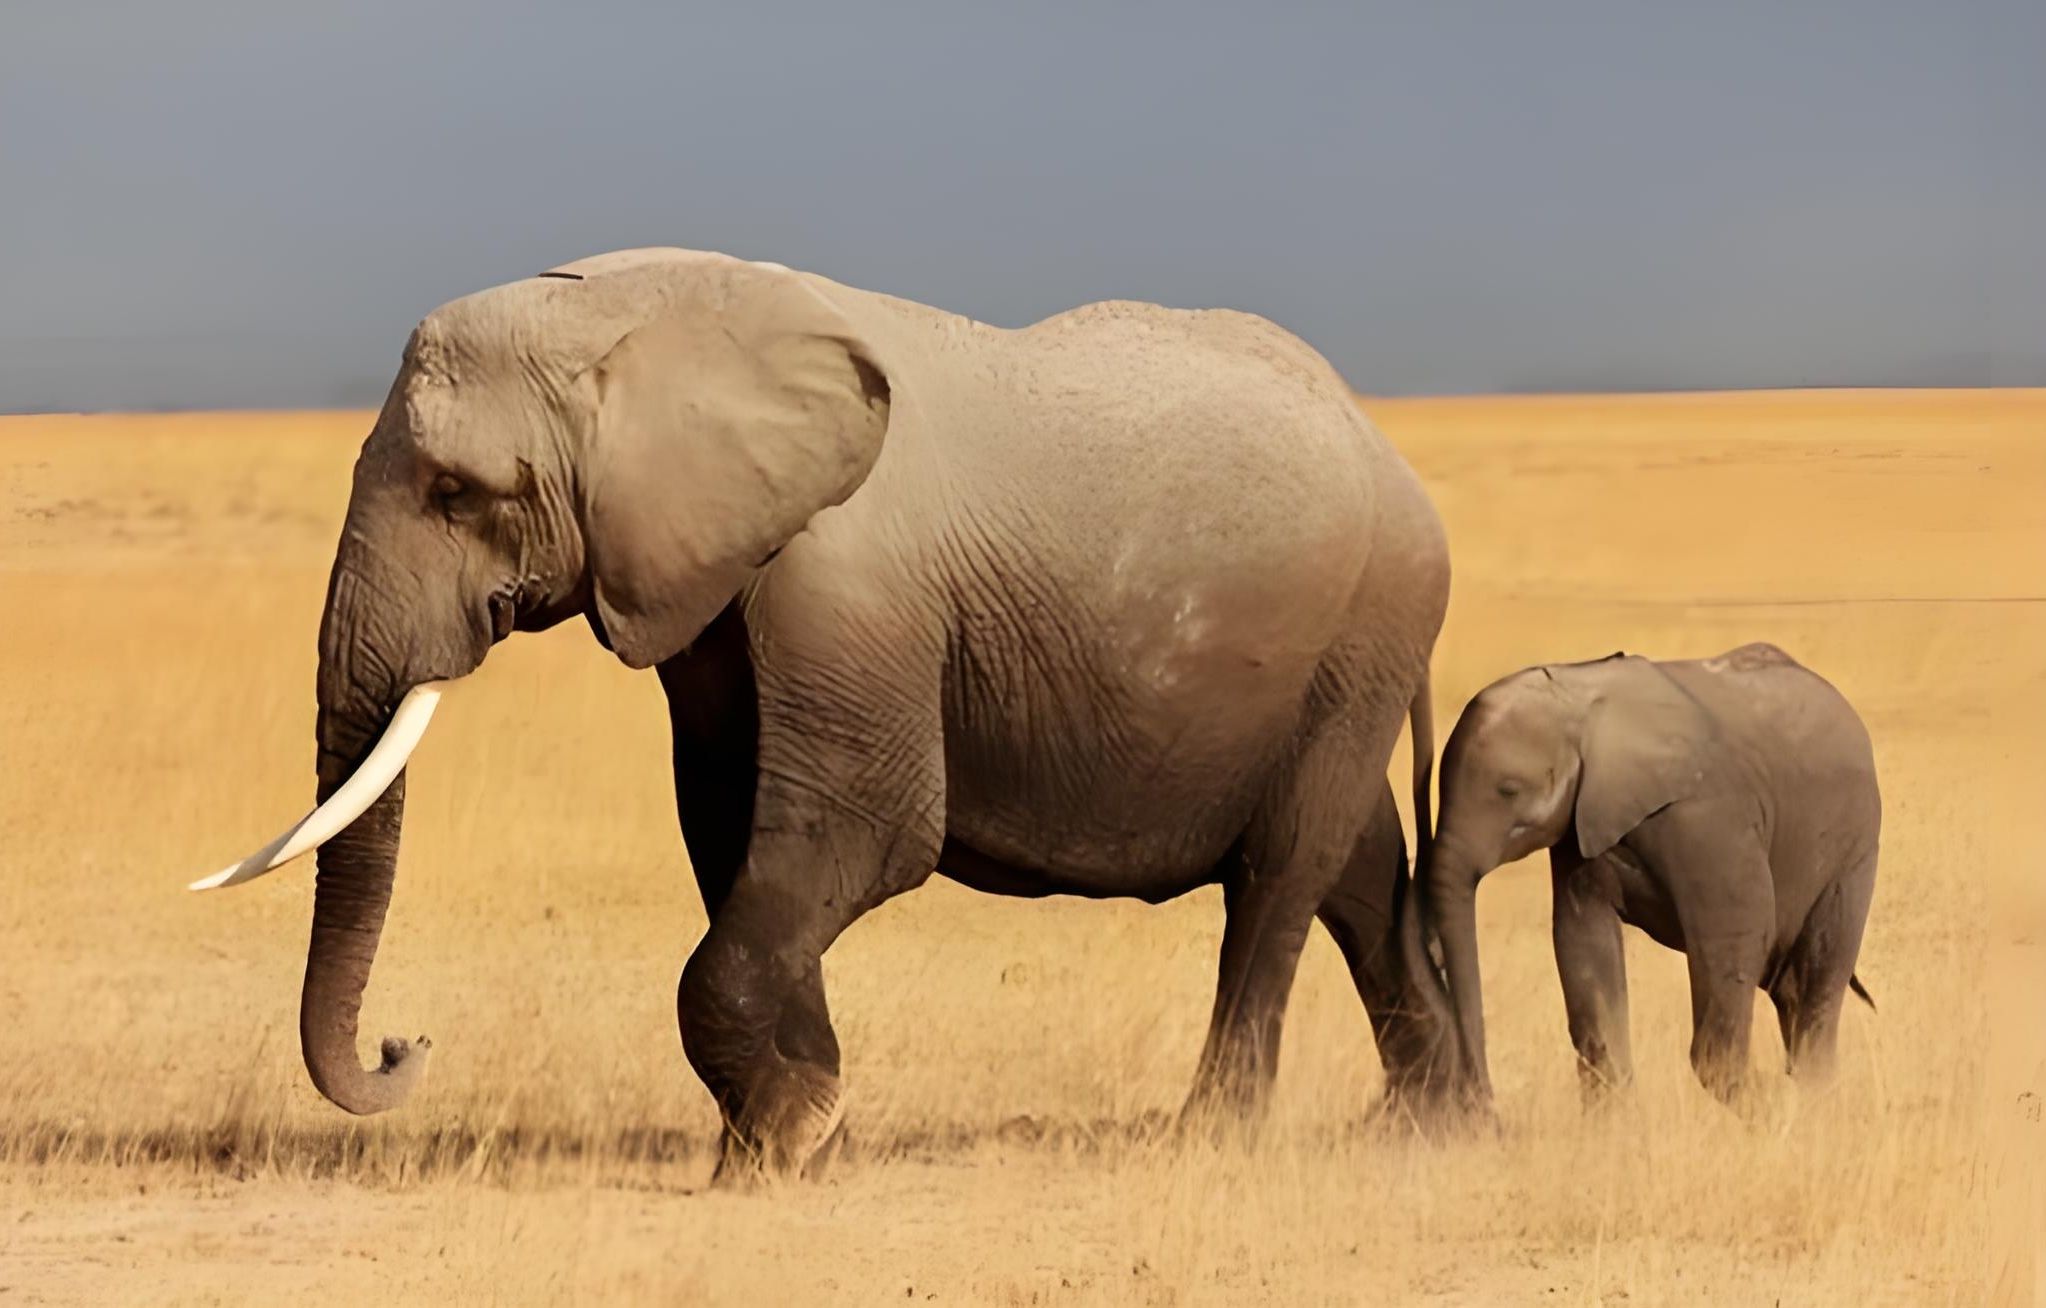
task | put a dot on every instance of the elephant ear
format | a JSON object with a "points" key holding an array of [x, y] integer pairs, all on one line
{"points": [[723, 424], [1644, 748]]}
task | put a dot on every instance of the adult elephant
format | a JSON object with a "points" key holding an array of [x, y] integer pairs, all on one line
{"points": [[1124, 603]]}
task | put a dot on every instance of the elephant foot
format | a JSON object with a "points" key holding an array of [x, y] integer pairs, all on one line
{"points": [[1400, 1110], [1435, 1113], [1422, 1096], [1220, 1120], [1602, 1093], [826, 1156], [790, 1114]]}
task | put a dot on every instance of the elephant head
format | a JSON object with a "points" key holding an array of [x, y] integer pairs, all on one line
{"points": [[1575, 752], [628, 438]]}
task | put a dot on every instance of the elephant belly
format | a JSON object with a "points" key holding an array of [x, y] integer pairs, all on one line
{"points": [[1121, 688], [1117, 789]]}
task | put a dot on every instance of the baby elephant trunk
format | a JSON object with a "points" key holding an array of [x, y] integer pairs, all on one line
{"points": [[1451, 884]]}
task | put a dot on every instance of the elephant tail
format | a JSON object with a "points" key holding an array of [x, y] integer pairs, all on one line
{"points": [[1421, 721], [1854, 984]]}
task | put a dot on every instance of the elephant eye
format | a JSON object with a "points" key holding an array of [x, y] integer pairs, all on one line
{"points": [[1508, 789], [453, 495]]}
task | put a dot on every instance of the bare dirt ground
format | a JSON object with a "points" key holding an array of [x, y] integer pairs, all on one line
{"points": [[159, 1142]]}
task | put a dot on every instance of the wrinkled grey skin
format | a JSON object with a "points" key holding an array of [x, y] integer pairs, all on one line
{"points": [[1726, 806], [1125, 603]]}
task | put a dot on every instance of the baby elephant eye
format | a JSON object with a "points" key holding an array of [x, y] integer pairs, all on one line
{"points": [[1508, 789]]}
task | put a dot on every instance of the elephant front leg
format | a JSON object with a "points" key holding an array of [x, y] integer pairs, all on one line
{"points": [[847, 811], [751, 1001], [756, 1030], [1591, 959]]}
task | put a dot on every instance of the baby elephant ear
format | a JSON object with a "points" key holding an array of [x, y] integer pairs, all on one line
{"points": [[721, 429], [1644, 747]]}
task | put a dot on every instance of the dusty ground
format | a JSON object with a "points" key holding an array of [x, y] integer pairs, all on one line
{"points": [[159, 1142]]}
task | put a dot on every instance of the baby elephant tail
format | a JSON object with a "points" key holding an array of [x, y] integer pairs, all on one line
{"points": [[1854, 984]]}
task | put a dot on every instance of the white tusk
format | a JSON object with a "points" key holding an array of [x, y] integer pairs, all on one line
{"points": [[348, 803]]}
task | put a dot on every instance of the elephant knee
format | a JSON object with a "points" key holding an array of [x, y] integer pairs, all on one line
{"points": [[724, 1007], [741, 1002]]}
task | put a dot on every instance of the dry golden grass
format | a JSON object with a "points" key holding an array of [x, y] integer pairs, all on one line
{"points": [[159, 1143]]}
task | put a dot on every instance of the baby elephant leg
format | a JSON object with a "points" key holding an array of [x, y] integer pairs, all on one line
{"points": [[1812, 986], [1717, 875], [1593, 965], [1724, 977]]}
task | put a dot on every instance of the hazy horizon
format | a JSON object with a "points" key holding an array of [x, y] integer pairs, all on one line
{"points": [[227, 206]]}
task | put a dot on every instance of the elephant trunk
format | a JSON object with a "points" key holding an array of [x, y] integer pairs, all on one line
{"points": [[357, 689], [1452, 883], [1426, 1000], [356, 869]]}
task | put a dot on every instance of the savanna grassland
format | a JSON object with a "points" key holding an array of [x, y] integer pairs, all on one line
{"points": [[159, 1141]]}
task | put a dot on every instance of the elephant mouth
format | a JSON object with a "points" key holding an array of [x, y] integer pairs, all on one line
{"points": [[513, 602], [504, 611], [532, 604]]}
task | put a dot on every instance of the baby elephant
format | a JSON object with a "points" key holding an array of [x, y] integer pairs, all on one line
{"points": [[1726, 806]]}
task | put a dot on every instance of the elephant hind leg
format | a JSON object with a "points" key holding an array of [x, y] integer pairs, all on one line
{"points": [[1808, 1015], [1269, 907], [1811, 988], [1723, 982], [1290, 856], [1717, 874], [1366, 914]]}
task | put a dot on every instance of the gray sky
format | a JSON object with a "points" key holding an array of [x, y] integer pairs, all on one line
{"points": [[243, 203]]}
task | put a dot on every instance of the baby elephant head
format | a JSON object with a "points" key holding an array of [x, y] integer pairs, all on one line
{"points": [[1575, 754]]}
